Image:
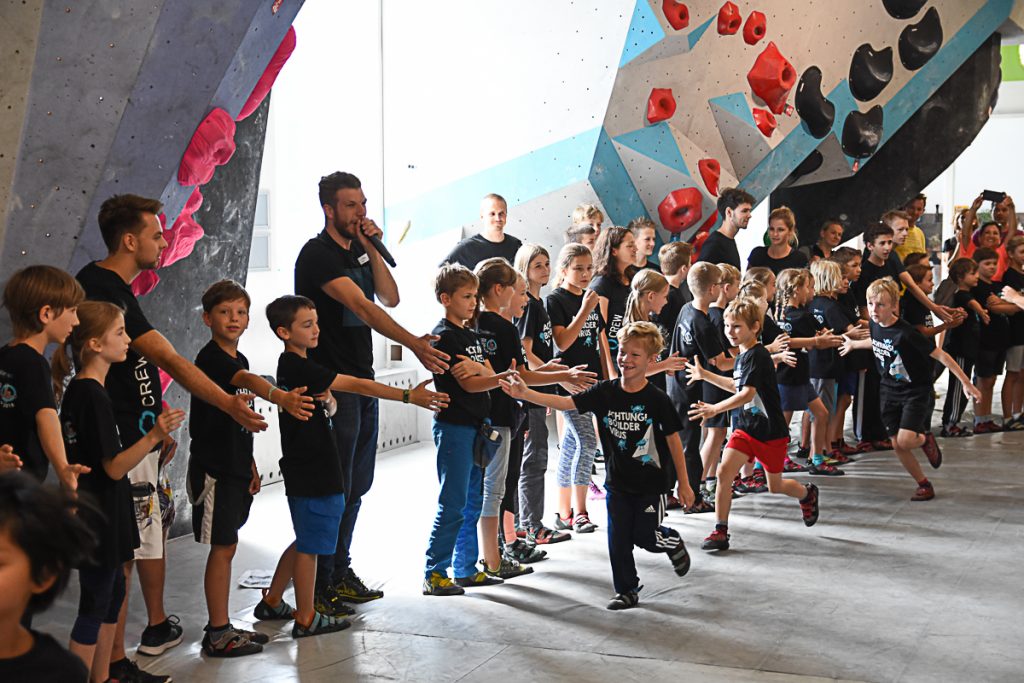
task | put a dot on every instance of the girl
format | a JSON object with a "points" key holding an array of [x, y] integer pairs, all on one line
{"points": [[91, 437], [781, 252], [578, 332], [614, 256]]}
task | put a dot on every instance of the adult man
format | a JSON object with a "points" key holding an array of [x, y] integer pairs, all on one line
{"points": [[915, 242], [491, 241], [342, 272], [134, 239], [735, 206]]}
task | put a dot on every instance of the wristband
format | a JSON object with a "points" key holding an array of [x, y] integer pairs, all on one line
{"points": [[405, 395], [271, 393]]}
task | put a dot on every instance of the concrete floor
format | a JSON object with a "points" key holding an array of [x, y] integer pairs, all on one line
{"points": [[882, 589]]}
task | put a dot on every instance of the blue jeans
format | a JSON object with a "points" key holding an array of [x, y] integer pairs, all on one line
{"points": [[458, 476]]}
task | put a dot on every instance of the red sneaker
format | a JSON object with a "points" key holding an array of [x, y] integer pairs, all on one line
{"points": [[932, 450], [839, 458], [884, 445], [789, 465], [987, 427], [924, 492], [864, 447], [825, 470], [717, 540], [809, 505], [845, 448]]}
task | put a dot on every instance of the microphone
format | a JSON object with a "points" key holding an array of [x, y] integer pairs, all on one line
{"points": [[382, 250]]}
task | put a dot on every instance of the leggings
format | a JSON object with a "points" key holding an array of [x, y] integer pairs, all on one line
{"points": [[102, 592], [579, 445]]}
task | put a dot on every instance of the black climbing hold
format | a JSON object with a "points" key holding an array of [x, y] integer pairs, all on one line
{"points": [[815, 110], [809, 165], [862, 132], [903, 9], [870, 72], [919, 42]]}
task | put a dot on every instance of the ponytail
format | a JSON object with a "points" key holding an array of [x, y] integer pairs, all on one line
{"points": [[644, 282]]}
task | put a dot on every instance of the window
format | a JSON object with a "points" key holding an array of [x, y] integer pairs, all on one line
{"points": [[259, 252]]}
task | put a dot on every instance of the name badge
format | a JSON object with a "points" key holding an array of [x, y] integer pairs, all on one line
{"points": [[364, 259]]}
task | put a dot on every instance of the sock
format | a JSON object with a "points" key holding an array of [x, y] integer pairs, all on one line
{"points": [[217, 631], [758, 465], [712, 484], [722, 526], [924, 482], [818, 459]]}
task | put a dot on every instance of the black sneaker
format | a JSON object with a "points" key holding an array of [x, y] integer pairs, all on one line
{"points": [[523, 552], [478, 579], [328, 602], [680, 559], [320, 625], [264, 612], [230, 643], [624, 601], [352, 589], [127, 671], [160, 638], [507, 569]]}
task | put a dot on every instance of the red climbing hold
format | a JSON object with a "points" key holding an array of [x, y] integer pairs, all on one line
{"points": [[755, 28], [710, 172], [212, 145], [681, 209], [266, 82], [729, 19], [677, 14], [772, 77], [661, 105], [144, 283], [765, 121]]}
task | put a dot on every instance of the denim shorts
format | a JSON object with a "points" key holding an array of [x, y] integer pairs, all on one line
{"points": [[316, 521]]}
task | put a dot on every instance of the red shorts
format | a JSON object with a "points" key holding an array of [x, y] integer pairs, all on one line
{"points": [[771, 454]]}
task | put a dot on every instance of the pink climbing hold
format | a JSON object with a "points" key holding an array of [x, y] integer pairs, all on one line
{"points": [[729, 19], [211, 146], [144, 283], [661, 105], [676, 13], [681, 209], [710, 172], [766, 122], [755, 28], [183, 235], [165, 381], [772, 77], [266, 82]]}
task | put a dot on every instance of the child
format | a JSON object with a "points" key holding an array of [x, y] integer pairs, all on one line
{"points": [[582, 233], [1013, 382], [962, 343], [614, 259], [42, 302], [855, 364], [92, 440], [588, 213], [674, 259], [917, 315], [645, 232], [578, 331], [313, 477], [760, 429], [630, 410], [222, 476], [43, 534], [903, 356], [994, 338]]}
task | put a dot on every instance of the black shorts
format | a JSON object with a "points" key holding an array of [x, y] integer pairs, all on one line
{"points": [[220, 508], [907, 409], [990, 363], [713, 394]]}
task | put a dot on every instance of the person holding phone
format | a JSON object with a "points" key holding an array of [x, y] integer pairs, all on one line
{"points": [[1004, 216]]}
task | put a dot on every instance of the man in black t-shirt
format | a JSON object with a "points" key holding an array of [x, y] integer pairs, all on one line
{"points": [[735, 206], [491, 241]]}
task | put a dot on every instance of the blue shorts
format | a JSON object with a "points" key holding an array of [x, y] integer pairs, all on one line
{"points": [[316, 522], [847, 385], [795, 397]]}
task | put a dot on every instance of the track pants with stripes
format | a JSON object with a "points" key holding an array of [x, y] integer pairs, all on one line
{"points": [[956, 403], [635, 520]]}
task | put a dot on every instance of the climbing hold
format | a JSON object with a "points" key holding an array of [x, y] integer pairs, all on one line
{"points": [[681, 209], [919, 42], [710, 172], [144, 283], [661, 105], [814, 108], [676, 13], [771, 78], [729, 19], [755, 28], [765, 121], [181, 239], [211, 146], [862, 132], [903, 9], [266, 82], [870, 72]]}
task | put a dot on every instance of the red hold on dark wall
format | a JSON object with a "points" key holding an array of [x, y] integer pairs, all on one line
{"points": [[771, 78], [710, 172], [729, 19], [765, 121], [681, 209], [661, 105], [266, 82], [755, 28], [676, 13], [144, 282], [182, 237], [212, 145]]}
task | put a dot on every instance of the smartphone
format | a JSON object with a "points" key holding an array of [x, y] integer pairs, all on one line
{"points": [[993, 196]]}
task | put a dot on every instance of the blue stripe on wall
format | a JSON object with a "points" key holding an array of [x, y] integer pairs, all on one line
{"points": [[613, 185], [656, 142], [644, 31]]}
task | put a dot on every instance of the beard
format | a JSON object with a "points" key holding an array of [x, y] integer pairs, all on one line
{"points": [[346, 230]]}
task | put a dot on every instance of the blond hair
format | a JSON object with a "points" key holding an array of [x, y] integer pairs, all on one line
{"points": [[788, 282], [673, 256], [525, 256], [746, 310], [759, 274], [785, 214], [752, 289], [886, 286], [702, 276], [730, 273], [828, 277], [645, 332], [585, 213], [644, 282]]}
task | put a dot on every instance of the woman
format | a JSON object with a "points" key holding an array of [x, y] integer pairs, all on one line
{"points": [[829, 237], [780, 253]]}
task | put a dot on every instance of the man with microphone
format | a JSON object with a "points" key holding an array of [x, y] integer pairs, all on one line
{"points": [[342, 272]]}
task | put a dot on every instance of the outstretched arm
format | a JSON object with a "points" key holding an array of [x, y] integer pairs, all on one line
{"points": [[970, 391], [514, 386], [705, 411]]}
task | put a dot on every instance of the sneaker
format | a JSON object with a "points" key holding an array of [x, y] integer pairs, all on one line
{"points": [[478, 579], [803, 453], [987, 427], [160, 638], [932, 450], [624, 601], [758, 481], [231, 643], [790, 465], [883, 445], [680, 559], [254, 636], [581, 524], [439, 584], [127, 671], [700, 506], [864, 446], [717, 540], [563, 523], [264, 612], [672, 503], [329, 602], [508, 569], [599, 457], [924, 492], [1014, 424], [845, 448], [523, 552], [352, 589], [595, 492], [825, 470], [955, 431], [837, 458], [542, 535], [321, 625], [809, 505]]}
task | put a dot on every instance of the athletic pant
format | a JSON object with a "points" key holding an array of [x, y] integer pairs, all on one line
{"points": [[576, 461], [635, 520], [535, 464], [956, 403], [99, 602], [510, 501], [867, 408]]}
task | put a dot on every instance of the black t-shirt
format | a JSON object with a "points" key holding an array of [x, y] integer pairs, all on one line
{"points": [[1014, 279], [616, 293], [464, 408], [345, 345], [902, 356], [827, 363], [771, 329], [626, 423], [996, 335], [46, 661], [759, 257], [90, 439], [712, 393], [501, 343], [472, 250], [858, 359], [310, 462], [536, 325], [562, 306], [869, 272], [762, 417], [134, 384], [670, 311], [25, 389], [718, 248], [798, 323], [693, 336], [962, 341], [219, 444], [913, 311]]}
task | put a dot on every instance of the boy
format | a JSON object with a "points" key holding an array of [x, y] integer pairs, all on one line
{"points": [[674, 259], [962, 343], [645, 232], [994, 338], [759, 427], [588, 213], [716, 428], [856, 366], [903, 358], [628, 411], [582, 233], [1013, 382], [222, 476]]}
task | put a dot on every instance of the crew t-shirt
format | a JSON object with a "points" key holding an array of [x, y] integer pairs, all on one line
{"points": [[501, 343], [464, 408], [797, 323], [310, 462], [536, 325], [219, 444], [562, 306], [694, 336], [996, 335], [762, 417], [626, 424], [962, 341], [869, 272], [759, 257], [472, 250], [25, 388], [616, 293], [1014, 279], [345, 345], [133, 384], [718, 248], [90, 439], [827, 363], [858, 359], [46, 661], [902, 356]]}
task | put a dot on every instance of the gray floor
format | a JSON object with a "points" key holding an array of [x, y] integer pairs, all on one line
{"points": [[882, 589]]}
